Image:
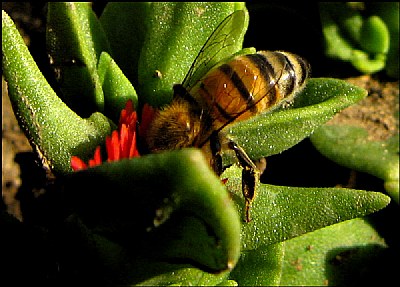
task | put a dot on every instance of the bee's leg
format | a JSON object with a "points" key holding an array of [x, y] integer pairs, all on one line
{"points": [[216, 160], [250, 176]]}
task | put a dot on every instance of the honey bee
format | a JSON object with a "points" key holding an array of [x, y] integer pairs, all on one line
{"points": [[233, 90]]}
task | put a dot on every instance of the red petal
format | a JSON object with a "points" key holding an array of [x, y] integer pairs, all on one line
{"points": [[91, 163], [148, 113], [121, 143], [133, 152], [126, 113], [129, 106], [124, 141], [114, 147], [77, 163], [97, 156]]}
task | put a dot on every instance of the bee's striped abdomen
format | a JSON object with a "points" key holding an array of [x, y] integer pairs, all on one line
{"points": [[250, 84]]}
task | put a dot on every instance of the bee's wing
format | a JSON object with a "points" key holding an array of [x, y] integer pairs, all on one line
{"points": [[218, 46]]}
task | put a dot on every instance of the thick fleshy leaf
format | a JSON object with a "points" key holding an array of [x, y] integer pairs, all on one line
{"points": [[374, 35], [228, 282], [261, 266], [350, 146], [351, 36], [184, 275], [271, 133], [86, 251], [364, 63], [75, 40], [343, 254], [280, 212], [116, 87], [176, 33], [161, 207], [374, 40], [126, 36], [53, 129], [337, 46], [389, 13]]}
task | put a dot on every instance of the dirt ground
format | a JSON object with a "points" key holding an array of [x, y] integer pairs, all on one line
{"points": [[377, 112]]}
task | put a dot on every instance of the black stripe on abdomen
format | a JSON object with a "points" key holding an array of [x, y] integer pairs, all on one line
{"points": [[266, 70], [223, 113], [305, 69], [239, 85]]}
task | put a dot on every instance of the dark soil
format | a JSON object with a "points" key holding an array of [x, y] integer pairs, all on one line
{"points": [[377, 113]]}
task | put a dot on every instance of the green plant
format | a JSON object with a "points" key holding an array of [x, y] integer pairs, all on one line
{"points": [[364, 34], [164, 218], [350, 146], [370, 44]]}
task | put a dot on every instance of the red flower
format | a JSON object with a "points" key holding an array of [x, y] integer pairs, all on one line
{"points": [[148, 113], [121, 144]]}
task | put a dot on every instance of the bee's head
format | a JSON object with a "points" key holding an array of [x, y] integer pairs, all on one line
{"points": [[174, 127]]}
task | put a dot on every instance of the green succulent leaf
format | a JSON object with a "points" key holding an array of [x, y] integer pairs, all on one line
{"points": [[375, 36], [185, 275], [88, 250], [279, 212], [339, 21], [75, 40], [228, 282], [272, 133], [167, 206], [389, 13], [261, 266], [342, 254], [117, 88], [350, 36], [364, 63], [350, 146], [176, 33], [52, 128], [126, 36]]}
